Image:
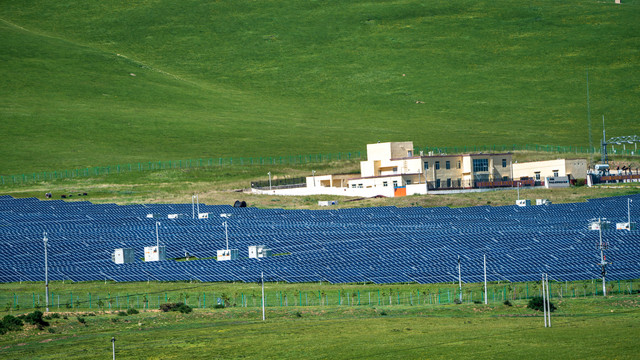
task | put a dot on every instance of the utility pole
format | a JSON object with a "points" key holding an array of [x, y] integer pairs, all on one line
{"points": [[460, 279], [113, 346], [485, 279], [46, 271], [589, 115], [629, 212], [262, 279], [544, 302], [226, 234], [603, 260], [269, 173], [157, 236], [313, 172]]}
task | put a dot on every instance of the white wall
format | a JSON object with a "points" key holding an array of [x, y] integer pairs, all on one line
{"points": [[364, 192]]}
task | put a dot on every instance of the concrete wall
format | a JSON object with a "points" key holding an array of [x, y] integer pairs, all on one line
{"points": [[364, 192]]}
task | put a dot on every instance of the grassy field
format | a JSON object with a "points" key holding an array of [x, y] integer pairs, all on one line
{"points": [[225, 185], [90, 83], [597, 327]]}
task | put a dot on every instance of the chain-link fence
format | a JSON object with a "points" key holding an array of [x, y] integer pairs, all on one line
{"points": [[43, 176], [384, 296]]}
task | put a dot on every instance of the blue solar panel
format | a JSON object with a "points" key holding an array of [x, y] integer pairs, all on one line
{"points": [[379, 245]]}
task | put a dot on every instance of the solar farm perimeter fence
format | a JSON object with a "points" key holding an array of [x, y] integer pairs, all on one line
{"points": [[496, 293], [35, 177]]}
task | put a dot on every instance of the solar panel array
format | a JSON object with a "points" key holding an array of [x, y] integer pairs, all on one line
{"points": [[380, 245]]}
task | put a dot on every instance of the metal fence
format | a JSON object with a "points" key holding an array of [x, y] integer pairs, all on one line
{"points": [[384, 296], [279, 183], [43, 176]]}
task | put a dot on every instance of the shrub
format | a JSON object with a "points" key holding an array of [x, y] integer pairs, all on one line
{"points": [[55, 316], [383, 313], [298, 314], [81, 320], [183, 308], [218, 306], [477, 302], [11, 323], [122, 313], [457, 301], [115, 320], [132, 311], [507, 303], [536, 303], [35, 318]]}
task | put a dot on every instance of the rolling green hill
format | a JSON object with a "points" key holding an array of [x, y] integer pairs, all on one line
{"points": [[99, 82]]}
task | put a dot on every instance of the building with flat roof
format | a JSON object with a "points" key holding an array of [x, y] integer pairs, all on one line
{"points": [[539, 170], [394, 169], [394, 165]]}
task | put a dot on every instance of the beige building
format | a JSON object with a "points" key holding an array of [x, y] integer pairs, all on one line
{"points": [[539, 170], [394, 165]]}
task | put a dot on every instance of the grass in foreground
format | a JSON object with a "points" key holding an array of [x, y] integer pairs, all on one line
{"points": [[582, 328]]}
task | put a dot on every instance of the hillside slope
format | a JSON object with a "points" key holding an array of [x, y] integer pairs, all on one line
{"points": [[248, 78]]}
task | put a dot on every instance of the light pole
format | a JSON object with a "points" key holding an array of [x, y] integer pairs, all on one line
{"points": [[603, 262], [46, 271], [269, 173], [544, 302], [518, 190], [314, 177], [157, 236], [460, 279], [262, 280], [485, 279], [629, 213], [113, 345], [226, 234]]}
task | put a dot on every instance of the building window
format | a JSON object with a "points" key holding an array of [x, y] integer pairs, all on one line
{"points": [[448, 182], [437, 183], [447, 165], [459, 182], [555, 173], [360, 186], [353, 186], [504, 163], [408, 182], [480, 165], [395, 183], [437, 165], [505, 178], [458, 164], [538, 176], [410, 153], [395, 169], [426, 165], [385, 183]]}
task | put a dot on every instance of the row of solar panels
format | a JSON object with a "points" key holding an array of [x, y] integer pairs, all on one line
{"points": [[374, 244]]}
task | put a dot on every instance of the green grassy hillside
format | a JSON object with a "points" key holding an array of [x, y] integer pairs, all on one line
{"points": [[252, 78]]}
